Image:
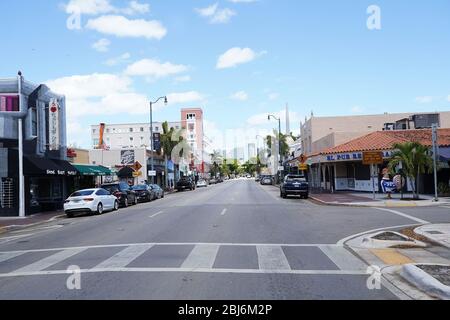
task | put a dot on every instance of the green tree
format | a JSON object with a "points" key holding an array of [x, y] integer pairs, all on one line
{"points": [[415, 160], [168, 144]]}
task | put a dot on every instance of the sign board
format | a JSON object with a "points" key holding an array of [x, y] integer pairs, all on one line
{"points": [[280, 168], [157, 141], [9, 103], [371, 158], [137, 174], [127, 157], [303, 167], [302, 159], [152, 173], [137, 166], [53, 125]]}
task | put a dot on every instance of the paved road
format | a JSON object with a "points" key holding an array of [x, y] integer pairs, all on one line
{"points": [[236, 240]]}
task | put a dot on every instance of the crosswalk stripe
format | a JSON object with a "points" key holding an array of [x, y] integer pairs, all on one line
{"points": [[49, 261], [9, 255], [272, 258], [124, 257], [343, 258], [202, 256]]}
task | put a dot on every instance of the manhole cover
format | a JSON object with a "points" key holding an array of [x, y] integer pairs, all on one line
{"points": [[435, 232]]}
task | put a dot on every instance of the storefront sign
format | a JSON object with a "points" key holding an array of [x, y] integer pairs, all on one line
{"points": [[127, 157], [356, 156], [152, 173], [372, 158], [303, 167], [157, 141], [53, 128]]}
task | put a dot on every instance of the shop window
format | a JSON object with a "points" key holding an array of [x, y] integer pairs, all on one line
{"points": [[362, 172], [34, 122]]}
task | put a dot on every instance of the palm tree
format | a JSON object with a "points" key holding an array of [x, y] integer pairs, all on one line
{"points": [[167, 144], [415, 160]]}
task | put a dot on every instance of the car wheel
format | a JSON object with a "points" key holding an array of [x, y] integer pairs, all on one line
{"points": [[69, 215], [116, 205], [100, 208]]}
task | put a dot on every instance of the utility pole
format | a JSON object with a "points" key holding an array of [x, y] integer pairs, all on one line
{"points": [[151, 136], [435, 155], [20, 140]]}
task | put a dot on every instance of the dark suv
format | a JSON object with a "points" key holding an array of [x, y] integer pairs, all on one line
{"points": [[185, 183], [294, 185], [123, 192]]}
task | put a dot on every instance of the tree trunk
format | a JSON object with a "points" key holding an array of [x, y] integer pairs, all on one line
{"points": [[417, 186], [166, 173]]}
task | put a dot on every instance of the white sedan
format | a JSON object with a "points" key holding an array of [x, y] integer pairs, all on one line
{"points": [[90, 201], [202, 183]]}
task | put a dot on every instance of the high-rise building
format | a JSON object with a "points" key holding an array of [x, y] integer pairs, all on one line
{"points": [[192, 123]]}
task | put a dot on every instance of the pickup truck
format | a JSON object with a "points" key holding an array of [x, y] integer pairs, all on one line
{"points": [[294, 185], [185, 183]]}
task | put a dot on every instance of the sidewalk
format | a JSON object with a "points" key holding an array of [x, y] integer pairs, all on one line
{"points": [[8, 223], [381, 200]]}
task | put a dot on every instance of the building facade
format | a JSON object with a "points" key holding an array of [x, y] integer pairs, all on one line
{"points": [[192, 124], [321, 133], [48, 176]]}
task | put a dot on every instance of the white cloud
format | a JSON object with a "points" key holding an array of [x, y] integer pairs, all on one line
{"points": [[118, 60], [154, 68], [186, 78], [235, 56], [273, 96], [240, 95], [102, 45], [96, 7], [357, 109], [185, 97], [121, 26], [216, 14], [424, 99]]}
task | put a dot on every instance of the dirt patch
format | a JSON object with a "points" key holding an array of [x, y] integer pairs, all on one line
{"points": [[409, 232], [390, 236], [440, 273]]}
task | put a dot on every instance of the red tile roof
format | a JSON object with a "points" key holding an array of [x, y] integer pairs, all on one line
{"points": [[385, 140]]}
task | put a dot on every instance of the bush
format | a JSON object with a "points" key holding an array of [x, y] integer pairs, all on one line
{"points": [[443, 188]]}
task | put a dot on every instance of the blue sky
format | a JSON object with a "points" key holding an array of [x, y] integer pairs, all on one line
{"points": [[315, 55]]}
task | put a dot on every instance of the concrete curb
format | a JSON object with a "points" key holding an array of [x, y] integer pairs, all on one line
{"points": [[425, 282], [381, 204], [24, 226]]}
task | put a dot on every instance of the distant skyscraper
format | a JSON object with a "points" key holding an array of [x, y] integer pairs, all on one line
{"points": [[251, 151], [288, 126]]}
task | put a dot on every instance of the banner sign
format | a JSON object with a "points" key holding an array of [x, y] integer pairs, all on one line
{"points": [[127, 157], [9, 103], [157, 141], [53, 125], [372, 158]]}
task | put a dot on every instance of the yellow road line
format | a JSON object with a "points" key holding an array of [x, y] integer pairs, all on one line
{"points": [[391, 256]]}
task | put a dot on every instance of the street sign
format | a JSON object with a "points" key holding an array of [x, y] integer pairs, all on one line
{"points": [[280, 168], [152, 173], [137, 166], [53, 125], [137, 174], [303, 167], [371, 158], [302, 159]]}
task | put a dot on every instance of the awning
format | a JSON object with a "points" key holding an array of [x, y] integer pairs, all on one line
{"points": [[37, 166], [90, 170], [444, 154]]}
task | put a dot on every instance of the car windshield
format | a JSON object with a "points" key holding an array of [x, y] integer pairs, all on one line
{"points": [[111, 188], [82, 193]]}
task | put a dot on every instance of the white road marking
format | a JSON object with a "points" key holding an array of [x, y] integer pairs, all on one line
{"points": [[9, 255], [124, 257], [272, 258], [343, 258], [202, 256], [187, 270], [445, 207], [49, 261], [224, 211], [156, 214], [404, 215]]}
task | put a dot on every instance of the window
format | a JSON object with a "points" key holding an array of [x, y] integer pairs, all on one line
{"points": [[34, 122], [107, 130], [95, 142], [142, 129], [156, 128], [94, 131], [131, 129], [131, 138]]}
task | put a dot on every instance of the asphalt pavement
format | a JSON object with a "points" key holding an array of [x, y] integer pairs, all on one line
{"points": [[236, 240]]}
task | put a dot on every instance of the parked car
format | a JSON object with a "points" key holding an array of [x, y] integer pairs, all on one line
{"points": [[90, 201], [158, 191], [294, 185], [123, 193], [257, 179], [266, 180], [202, 183], [219, 180], [213, 181], [185, 183], [144, 193]]}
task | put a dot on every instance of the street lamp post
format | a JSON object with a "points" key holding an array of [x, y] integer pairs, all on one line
{"points": [[279, 135], [151, 134]]}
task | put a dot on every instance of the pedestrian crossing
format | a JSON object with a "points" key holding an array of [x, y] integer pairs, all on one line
{"points": [[185, 257]]}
